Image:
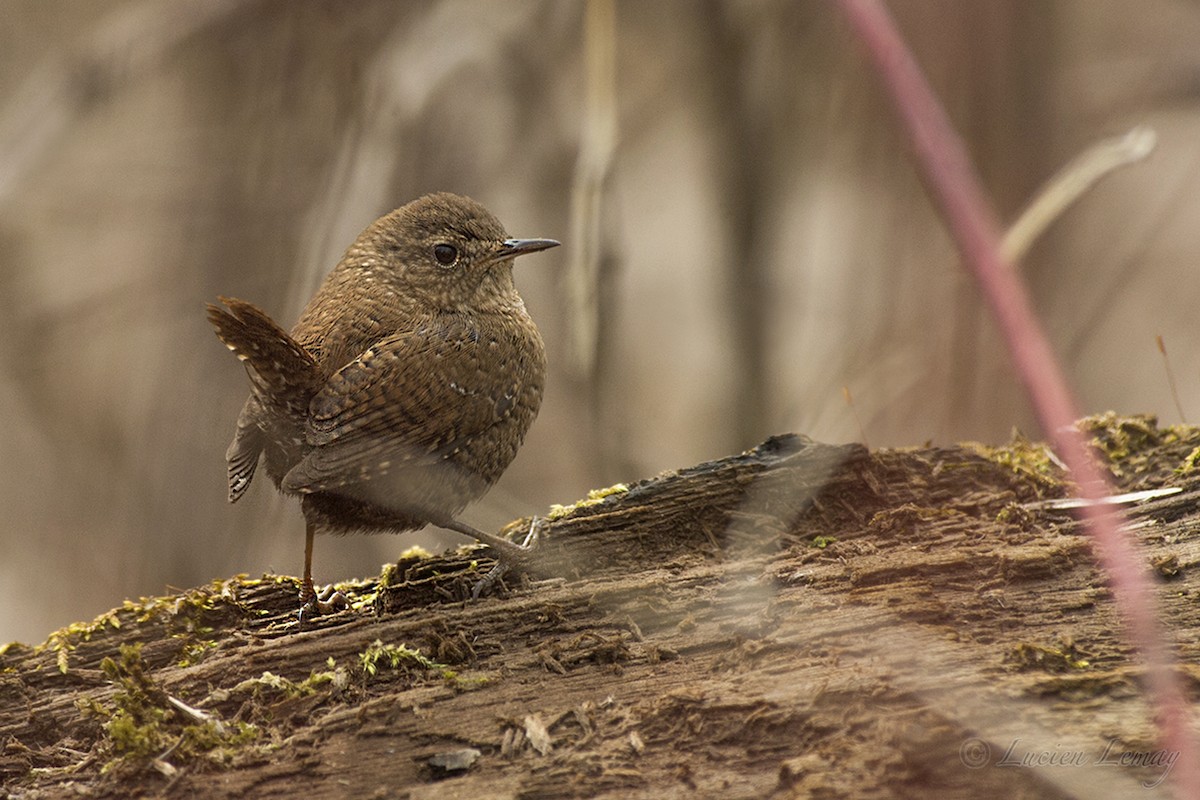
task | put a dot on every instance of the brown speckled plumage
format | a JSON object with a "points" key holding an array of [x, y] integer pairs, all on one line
{"points": [[408, 383]]}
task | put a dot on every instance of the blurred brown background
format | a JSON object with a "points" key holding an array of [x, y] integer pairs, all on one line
{"points": [[730, 174]]}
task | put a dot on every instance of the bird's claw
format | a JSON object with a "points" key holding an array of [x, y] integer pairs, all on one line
{"points": [[313, 604], [531, 536], [507, 559]]}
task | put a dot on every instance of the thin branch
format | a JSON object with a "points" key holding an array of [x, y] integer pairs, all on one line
{"points": [[1070, 183]]}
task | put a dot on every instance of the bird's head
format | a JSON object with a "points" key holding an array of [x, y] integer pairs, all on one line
{"points": [[445, 250]]}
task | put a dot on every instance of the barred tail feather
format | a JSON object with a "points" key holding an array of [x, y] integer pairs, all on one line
{"points": [[284, 374]]}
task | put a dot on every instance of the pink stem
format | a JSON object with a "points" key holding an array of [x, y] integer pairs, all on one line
{"points": [[957, 191]]}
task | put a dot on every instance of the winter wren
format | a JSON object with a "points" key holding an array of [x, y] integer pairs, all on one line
{"points": [[406, 386]]}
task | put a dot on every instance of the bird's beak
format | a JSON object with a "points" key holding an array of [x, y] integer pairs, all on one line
{"points": [[517, 247]]}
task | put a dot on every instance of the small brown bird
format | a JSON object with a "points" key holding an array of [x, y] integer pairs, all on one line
{"points": [[405, 388]]}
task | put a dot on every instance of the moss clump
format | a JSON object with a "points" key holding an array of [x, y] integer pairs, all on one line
{"points": [[186, 610], [401, 657], [395, 656], [1130, 447], [821, 542], [594, 497], [1189, 462], [388, 575], [1136, 447], [1119, 438], [64, 640], [142, 723], [335, 678], [184, 617], [1031, 460], [194, 651], [14, 648]]}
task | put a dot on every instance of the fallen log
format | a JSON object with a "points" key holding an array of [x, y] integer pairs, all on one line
{"points": [[801, 619]]}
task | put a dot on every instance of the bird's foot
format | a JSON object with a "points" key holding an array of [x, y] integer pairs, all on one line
{"points": [[508, 557], [313, 604]]}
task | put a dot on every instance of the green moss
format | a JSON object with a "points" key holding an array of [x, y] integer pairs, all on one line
{"points": [[415, 553], [1030, 460], [1129, 445], [194, 651], [64, 640], [13, 647], [335, 676], [141, 722], [1121, 437], [594, 497], [394, 656], [183, 615], [821, 542], [216, 741], [188, 617], [1189, 462], [388, 575], [1136, 445], [401, 657]]}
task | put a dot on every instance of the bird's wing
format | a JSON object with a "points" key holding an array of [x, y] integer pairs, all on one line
{"points": [[411, 399], [248, 442]]}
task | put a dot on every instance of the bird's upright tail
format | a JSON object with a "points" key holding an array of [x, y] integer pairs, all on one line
{"points": [[284, 374]]}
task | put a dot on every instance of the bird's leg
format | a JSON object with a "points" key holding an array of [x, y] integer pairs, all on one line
{"points": [[510, 551], [307, 593], [311, 603], [509, 554]]}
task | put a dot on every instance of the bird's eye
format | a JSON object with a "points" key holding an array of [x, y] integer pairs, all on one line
{"points": [[446, 254]]}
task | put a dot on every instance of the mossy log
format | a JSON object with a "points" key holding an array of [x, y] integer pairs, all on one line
{"points": [[798, 620]]}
